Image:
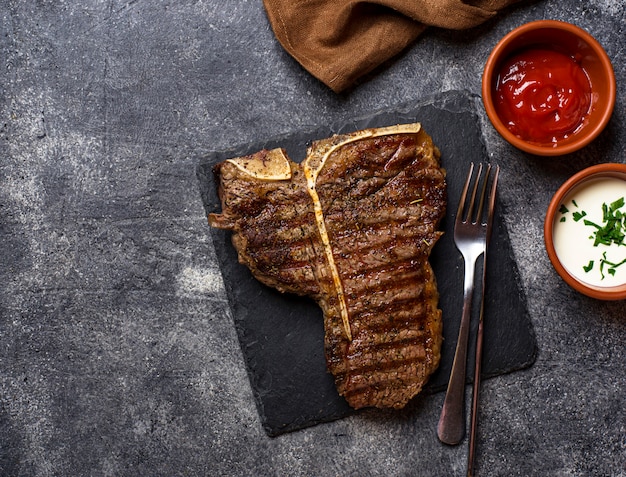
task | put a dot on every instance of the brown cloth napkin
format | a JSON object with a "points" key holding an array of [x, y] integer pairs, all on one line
{"points": [[338, 41]]}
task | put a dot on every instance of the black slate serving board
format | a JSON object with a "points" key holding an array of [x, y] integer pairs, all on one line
{"points": [[281, 336]]}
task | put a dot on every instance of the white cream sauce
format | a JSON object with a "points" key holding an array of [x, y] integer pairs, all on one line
{"points": [[572, 241]]}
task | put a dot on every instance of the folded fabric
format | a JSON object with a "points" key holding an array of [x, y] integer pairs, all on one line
{"points": [[338, 41]]}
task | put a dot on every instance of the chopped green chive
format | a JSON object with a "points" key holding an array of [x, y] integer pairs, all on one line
{"points": [[612, 231], [618, 204]]}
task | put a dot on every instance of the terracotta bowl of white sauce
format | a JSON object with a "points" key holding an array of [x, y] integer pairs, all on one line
{"points": [[585, 230]]}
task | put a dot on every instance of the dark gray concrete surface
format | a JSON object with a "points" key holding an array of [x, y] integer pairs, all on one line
{"points": [[118, 355]]}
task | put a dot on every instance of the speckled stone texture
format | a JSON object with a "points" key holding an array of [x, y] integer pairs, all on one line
{"points": [[118, 355]]}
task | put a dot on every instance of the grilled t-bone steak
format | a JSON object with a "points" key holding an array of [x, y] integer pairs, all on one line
{"points": [[352, 227]]}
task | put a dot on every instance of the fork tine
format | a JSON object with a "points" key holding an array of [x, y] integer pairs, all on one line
{"points": [[492, 200], [459, 212], [480, 210], [473, 214]]}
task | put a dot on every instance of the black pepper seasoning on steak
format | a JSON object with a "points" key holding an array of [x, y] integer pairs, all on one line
{"points": [[352, 227]]}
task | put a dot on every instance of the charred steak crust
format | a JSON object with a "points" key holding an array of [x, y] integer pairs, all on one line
{"points": [[352, 227]]}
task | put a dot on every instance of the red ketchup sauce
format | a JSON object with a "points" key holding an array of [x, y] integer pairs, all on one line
{"points": [[542, 95]]}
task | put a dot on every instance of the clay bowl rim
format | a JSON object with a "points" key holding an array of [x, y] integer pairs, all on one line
{"points": [[618, 170], [498, 54]]}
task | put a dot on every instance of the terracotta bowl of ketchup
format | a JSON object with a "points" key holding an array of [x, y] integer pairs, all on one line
{"points": [[548, 88]]}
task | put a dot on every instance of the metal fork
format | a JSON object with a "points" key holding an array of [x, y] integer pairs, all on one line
{"points": [[471, 229]]}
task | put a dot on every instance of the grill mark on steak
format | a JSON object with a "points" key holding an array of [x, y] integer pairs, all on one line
{"points": [[379, 361], [383, 385], [383, 377], [372, 322], [352, 227]]}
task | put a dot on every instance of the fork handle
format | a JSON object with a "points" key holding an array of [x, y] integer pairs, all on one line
{"points": [[451, 427]]}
